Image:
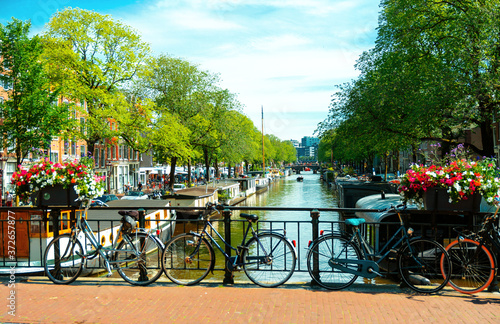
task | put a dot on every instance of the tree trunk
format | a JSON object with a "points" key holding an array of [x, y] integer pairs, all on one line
{"points": [[189, 173], [216, 166], [487, 139], [173, 162], [207, 164]]}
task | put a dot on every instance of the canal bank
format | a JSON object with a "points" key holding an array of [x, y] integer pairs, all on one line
{"points": [[94, 300]]}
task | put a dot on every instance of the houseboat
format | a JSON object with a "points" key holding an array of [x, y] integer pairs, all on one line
{"points": [[229, 192], [34, 232], [261, 184], [380, 226], [248, 186], [192, 201], [351, 190]]}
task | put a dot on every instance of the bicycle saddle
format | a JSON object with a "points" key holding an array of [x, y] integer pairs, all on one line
{"points": [[354, 221], [251, 217], [132, 213]]}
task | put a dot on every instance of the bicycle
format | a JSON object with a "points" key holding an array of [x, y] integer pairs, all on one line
{"points": [[335, 260], [474, 263], [134, 253], [268, 257]]}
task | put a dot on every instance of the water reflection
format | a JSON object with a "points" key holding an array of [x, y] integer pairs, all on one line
{"points": [[286, 192]]}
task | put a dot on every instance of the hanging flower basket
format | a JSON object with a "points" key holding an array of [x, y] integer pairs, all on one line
{"points": [[54, 184], [439, 199], [55, 196], [457, 184]]}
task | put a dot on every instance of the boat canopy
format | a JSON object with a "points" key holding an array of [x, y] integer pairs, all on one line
{"points": [[378, 202]]}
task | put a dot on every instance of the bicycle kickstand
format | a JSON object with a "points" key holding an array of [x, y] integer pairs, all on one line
{"points": [[108, 267]]}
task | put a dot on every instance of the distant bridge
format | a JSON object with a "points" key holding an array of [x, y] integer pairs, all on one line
{"points": [[302, 167]]}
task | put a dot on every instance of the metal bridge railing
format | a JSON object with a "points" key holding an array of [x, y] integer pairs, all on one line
{"points": [[25, 232]]}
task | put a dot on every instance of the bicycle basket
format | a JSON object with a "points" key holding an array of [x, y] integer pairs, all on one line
{"points": [[128, 224]]}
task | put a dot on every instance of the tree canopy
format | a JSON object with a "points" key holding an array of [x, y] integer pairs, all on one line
{"points": [[31, 115]]}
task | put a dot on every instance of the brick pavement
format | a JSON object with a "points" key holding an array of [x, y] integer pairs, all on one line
{"points": [[95, 300]]}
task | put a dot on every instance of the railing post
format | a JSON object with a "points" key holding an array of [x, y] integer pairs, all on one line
{"points": [[142, 224], [228, 274], [55, 215], [142, 217], [315, 235]]}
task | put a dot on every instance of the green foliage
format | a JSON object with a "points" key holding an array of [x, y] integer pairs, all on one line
{"points": [[99, 55], [30, 115], [432, 75]]}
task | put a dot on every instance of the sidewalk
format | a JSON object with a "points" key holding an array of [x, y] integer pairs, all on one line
{"points": [[96, 300]]}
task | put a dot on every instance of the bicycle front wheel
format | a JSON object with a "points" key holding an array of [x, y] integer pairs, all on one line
{"points": [[70, 253], [473, 266], [138, 259], [326, 258], [186, 260], [269, 260], [424, 265]]}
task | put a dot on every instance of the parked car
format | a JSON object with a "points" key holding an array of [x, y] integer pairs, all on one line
{"points": [[135, 195], [106, 198], [178, 186]]}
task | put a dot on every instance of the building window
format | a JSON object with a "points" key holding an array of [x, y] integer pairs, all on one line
{"points": [[66, 147], [54, 157], [82, 126], [96, 158], [73, 147]]}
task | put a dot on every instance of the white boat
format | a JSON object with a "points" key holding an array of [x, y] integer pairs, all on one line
{"points": [[261, 184]]}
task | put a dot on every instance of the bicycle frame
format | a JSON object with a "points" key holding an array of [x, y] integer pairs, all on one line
{"points": [[83, 226], [370, 266], [488, 235], [234, 260]]}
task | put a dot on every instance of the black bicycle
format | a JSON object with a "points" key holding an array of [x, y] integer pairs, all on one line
{"points": [[268, 257], [335, 260], [473, 257]]}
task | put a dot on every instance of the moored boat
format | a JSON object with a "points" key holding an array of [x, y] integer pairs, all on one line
{"points": [[192, 201], [33, 236]]}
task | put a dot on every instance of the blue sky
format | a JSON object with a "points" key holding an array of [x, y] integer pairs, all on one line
{"points": [[286, 56]]}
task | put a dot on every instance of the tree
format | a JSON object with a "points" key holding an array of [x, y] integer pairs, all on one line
{"points": [[457, 44], [182, 90], [97, 55], [31, 115]]}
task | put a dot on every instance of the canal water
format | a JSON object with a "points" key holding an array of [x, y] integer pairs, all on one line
{"points": [[285, 192], [288, 192]]}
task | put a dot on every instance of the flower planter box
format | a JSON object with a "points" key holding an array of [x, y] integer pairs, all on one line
{"points": [[55, 196], [437, 199]]}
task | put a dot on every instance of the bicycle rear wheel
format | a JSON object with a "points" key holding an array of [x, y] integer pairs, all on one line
{"points": [[71, 258], [325, 252], [473, 266], [138, 259], [269, 260], [424, 265], [183, 263]]}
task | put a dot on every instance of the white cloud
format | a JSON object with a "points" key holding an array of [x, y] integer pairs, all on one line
{"points": [[285, 55]]}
